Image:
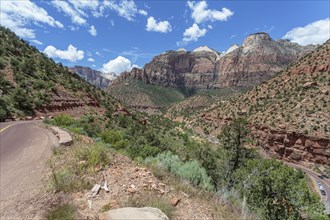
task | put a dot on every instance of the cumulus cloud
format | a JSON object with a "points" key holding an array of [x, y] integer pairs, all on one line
{"points": [[126, 8], [72, 53], [16, 15], [70, 11], [92, 31], [143, 12], [317, 32], [117, 65], [193, 33], [90, 60], [161, 26], [200, 12]]}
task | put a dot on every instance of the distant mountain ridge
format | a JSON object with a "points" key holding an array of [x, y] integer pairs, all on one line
{"points": [[94, 77], [256, 60]]}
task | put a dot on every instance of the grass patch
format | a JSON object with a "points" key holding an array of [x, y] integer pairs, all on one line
{"points": [[73, 169], [61, 212]]}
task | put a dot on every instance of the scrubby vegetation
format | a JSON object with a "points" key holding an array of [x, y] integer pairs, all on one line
{"points": [[228, 167], [28, 79], [137, 94]]}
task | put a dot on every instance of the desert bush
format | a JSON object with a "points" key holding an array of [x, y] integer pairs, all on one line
{"points": [[93, 156], [190, 170], [63, 120], [110, 136]]}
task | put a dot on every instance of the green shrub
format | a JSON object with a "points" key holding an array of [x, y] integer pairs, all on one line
{"points": [[94, 156], [148, 151], [63, 120], [190, 170], [111, 136]]}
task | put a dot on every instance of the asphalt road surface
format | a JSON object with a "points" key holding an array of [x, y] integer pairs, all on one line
{"points": [[315, 176], [25, 148]]}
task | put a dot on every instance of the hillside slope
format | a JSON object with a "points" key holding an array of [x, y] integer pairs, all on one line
{"points": [[289, 114], [33, 85], [144, 97]]}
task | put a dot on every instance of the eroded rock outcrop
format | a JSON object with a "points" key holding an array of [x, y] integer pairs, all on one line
{"points": [[257, 60], [292, 146]]}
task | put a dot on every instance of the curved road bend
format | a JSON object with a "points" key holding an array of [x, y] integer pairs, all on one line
{"points": [[24, 149], [315, 176]]}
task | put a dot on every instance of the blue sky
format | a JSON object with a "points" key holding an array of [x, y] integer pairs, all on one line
{"points": [[117, 35]]}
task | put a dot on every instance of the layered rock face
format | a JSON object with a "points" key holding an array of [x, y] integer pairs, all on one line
{"points": [[94, 77], [178, 69], [292, 146], [258, 59]]}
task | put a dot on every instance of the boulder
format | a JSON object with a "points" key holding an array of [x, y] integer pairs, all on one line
{"points": [[129, 213], [64, 138]]}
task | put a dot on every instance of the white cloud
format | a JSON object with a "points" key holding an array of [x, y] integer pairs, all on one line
{"points": [[143, 12], [200, 13], [73, 28], [84, 4], [126, 8], [317, 32], [16, 15], [92, 31], [193, 33], [112, 23], [91, 60], [71, 54], [36, 42], [97, 53], [68, 10], [117, 65], [161, 26], [210, 26]]}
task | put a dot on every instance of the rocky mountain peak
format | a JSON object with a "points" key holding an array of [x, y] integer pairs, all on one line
{"points": [[232, 48], [181, 50], [257, 38], [203, 48]]}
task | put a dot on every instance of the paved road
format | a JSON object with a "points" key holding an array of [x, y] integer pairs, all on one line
{"points": [[315, 176], [24, 149]]}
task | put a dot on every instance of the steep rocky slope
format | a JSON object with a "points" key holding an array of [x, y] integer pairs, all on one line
{"points": [[94, 77], [257, 60], [289, 114], [33, 85]]}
